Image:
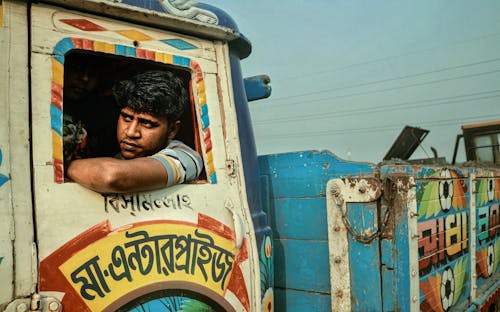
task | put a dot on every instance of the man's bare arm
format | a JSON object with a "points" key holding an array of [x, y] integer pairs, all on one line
{"points": [[111, 175]]}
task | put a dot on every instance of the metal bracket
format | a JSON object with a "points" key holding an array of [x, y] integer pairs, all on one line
{"points": [[37, 303], [338, 193]]}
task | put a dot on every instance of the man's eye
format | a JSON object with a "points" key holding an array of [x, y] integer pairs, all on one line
{"points": [[147, 124], [127, 117]]}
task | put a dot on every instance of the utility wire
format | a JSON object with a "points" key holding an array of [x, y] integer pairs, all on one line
{"points": [[383, 108], [384, 59], [391, 88], [384, 80], [434, 123]]}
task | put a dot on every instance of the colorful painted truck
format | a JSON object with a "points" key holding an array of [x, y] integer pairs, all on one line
{"points": [[394, 236], [201, 246], [346, 236]]}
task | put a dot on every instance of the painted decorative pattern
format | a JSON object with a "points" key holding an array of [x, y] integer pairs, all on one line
{"points": [[3, 178], [487, 225], [103, 268], [443, 245], [56, 111]]}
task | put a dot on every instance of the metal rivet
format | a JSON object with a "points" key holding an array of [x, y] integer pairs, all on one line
{"points": [[337, 229], [338, 259], [362, 189], [54, 306], [413, 273], [415, 298]]}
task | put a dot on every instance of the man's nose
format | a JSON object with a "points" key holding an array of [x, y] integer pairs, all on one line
{"points": [[84, 75], [133, 129]]}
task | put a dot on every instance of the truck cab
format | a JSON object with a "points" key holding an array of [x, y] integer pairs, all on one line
{"points": [[482, 142], [200, 245]]}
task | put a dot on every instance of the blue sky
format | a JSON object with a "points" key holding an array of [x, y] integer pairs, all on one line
{"points": [[347, 76]]}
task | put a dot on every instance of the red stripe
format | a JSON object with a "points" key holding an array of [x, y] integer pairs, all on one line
{"points": [[58, 170], [144, 54], [199, 74], [237, 282], [215, 226], [56, 95]]}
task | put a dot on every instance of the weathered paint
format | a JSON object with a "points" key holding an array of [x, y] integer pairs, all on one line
{"points": [[348, 257], [142, 220], [257, 87], [295, 195], [413, 248], [100, 269]]}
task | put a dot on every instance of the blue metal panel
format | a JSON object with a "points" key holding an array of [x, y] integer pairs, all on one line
{"points": [[364, 260], [302, 265], [302, 174], [299, 301], [296, 196], [299, 218], [387, 274]]}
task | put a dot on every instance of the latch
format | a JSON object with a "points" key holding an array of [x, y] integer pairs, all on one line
{"points": [[37, 303]]}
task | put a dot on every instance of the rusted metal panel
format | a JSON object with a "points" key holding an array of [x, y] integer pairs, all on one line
{"points": [[347, 258]]}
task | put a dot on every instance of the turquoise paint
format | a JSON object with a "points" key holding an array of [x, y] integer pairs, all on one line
{"points": [[179, 44], [3, 178], [61, 48], [125, 51], [56, 119]]}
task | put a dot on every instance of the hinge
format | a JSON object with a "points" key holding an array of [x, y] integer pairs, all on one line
{"points": [[37, 303]]}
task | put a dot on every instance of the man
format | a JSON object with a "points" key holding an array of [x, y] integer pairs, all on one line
{"points": [[87, 109], [151, 105]]}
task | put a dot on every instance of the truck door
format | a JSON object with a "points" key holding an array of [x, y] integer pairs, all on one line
{"points": [[181, 246]]}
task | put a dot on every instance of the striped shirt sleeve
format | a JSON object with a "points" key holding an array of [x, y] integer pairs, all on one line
{"points": [[183, 164]]}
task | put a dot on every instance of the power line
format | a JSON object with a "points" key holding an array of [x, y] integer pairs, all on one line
{"points": [[383, 59], [385, 80], [434, 123], [392, 88], [388, 107]]}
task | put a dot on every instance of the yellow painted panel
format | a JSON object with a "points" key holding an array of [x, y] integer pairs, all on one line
{"points": [[1, 14], [56, 145], [210, 162], [57, 72], [104, 47], [201, 86], [164, 58], [125, 261], [134, 35]]}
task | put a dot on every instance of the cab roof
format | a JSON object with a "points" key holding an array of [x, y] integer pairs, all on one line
{"points": [[191, 18]]}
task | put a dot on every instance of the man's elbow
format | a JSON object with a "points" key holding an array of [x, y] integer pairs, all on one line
{"points": [[112, 180]]}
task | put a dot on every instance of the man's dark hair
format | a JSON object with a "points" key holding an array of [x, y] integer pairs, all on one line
{"points": [[159, 93]]}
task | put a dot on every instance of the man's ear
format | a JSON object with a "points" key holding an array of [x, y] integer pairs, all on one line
{"points": [[173, 129]]}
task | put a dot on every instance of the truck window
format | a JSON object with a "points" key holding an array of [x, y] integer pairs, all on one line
{"points": [[90, 112]]}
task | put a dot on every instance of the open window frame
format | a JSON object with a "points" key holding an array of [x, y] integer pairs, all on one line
{"points": [[116, 63]]}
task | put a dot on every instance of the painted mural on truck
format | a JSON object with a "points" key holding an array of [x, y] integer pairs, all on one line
{"points": [[149, 264], [487, 226], [445, 247]]}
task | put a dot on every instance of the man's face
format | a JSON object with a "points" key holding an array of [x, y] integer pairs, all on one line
{"points": [[80, 79], [142, 134]]}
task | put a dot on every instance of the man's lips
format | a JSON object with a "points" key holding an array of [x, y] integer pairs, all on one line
{"points": [[129, 145]]}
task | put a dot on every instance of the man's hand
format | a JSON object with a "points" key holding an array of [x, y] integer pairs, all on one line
{"points": [[111, 175]]}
